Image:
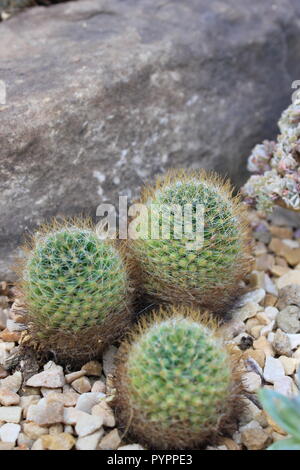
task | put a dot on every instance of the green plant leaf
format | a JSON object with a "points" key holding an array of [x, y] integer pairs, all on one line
{"points": [[285, 411], [285, 444]]}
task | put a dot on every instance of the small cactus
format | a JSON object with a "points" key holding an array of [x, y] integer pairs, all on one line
{"points": [[174, 381], [75, 288], [210, 275]]}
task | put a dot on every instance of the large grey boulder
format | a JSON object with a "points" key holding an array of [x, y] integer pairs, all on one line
{"points": [[101, 95]]}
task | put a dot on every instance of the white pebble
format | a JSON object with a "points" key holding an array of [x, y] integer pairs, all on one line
{"points": [[273, 369], [9, 432]]}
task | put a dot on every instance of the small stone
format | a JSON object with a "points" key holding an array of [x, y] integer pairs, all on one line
{"points": [[289, 295], [7, 335], [270, 300], [288, 319], [6, 445], [29, 391], [236, 436], [46, 391], [253, 366], [281, 343], [262, 318], [264, 262], [87, 424], [255, 296], [284, 385], [256, 354], [62, 441], [71, 416], [279, 270], [13, 382], [267, 329], [26, 401], [104, 410], [70, 398], [269, 286], [98, 386], [86, 401], [263, 344], [14, 326], [9, 432], [74, 375], [251, 412], [69, 429], [10, 414], [89, 442], [281, 262], [294, 340], [38, 445], [47, 411], [247, 311], [8, 397], [289, 364], [243, 341], [271, 313], [108, 360], [257, 279], [3, 319], [250, 323], [229, 443], [3, 373], [24, 440], [50, 378], [93, 368], [291, 277], [251, 382], [255, 331], [111, 441], [82, 385], [55, 429], [232, 329], [281, 232], [33, 430], [253, 436], [273, 370]]}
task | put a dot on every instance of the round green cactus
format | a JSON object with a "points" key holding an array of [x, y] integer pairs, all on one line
{"points": [[179, 270], [75, 288], [174, 381]]}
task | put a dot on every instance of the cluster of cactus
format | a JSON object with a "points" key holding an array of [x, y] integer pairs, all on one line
{"points": [[75, 287], [174, 381], [276, 166], [285, 411], [176, 386], [175, 268]]}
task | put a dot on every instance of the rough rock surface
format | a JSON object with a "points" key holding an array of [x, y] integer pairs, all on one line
{"points": [[102, 94]]}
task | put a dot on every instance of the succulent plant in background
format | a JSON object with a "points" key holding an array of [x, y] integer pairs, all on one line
{"points": [[176, 270], [76, 289], [286, 412], [174, 381], [276, 166]]}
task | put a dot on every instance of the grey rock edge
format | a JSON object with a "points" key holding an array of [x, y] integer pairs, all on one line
{"points": [[102, 95]]}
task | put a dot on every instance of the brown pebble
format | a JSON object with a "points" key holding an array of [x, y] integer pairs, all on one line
{"points": [[10, 336]]}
